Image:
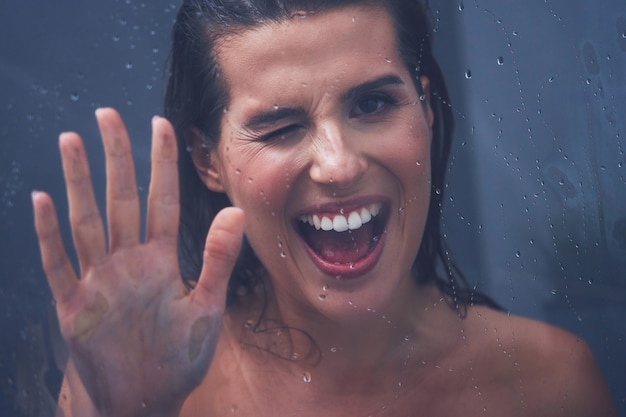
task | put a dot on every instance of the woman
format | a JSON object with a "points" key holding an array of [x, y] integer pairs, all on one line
{"points": [[326, 126]]}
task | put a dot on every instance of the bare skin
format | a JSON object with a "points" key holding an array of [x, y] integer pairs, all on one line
{"points": [[489, 363], [138, 339], [378, 345]]}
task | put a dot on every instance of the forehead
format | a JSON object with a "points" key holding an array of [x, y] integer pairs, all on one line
{"points": [[322, 49]]}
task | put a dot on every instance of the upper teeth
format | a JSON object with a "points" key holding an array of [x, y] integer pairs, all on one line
{"points": [[341, 222]]}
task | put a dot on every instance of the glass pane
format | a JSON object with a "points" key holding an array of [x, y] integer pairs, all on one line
{"points": [[535, 193]]}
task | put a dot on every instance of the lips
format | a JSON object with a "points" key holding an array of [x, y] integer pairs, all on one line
{"points": [[344, 242]]}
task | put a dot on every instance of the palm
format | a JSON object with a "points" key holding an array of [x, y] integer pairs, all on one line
{"points": [[138, 338]]}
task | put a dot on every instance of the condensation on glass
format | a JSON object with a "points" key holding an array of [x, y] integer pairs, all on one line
{"points": [[536, 188]]}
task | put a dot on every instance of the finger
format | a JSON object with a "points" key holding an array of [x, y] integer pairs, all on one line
{"points": [[122, 200], [85, 220], [220, 253], [163, 198], [56, 265]]}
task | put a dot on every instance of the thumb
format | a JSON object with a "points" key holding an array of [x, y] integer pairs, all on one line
{"points": [[221, 249]]}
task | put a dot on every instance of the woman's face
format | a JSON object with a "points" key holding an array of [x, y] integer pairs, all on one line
{"points": [[325, 144]]}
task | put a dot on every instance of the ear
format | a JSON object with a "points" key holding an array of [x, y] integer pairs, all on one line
{"points": [[204, 159], [425, 83]]}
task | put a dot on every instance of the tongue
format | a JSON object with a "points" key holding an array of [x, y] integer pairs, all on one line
{"points": [[341, 248]]}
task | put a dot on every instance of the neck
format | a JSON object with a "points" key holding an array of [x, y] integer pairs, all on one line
{"points": [[377, 343]]}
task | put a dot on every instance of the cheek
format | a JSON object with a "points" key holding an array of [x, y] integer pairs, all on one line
{"points": [[411, 155], [260, 184]]}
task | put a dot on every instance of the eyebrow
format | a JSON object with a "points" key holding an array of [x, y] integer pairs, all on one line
{"points": [[371, 85], [272, 117]]}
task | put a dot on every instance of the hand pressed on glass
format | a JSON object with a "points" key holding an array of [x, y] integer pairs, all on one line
{"points": [[139, 339]]}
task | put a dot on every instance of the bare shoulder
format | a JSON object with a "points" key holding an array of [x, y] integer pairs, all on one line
{"points": [[552, 371]]}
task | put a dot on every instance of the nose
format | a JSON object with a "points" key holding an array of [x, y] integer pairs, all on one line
{"points": [[336, 161]]}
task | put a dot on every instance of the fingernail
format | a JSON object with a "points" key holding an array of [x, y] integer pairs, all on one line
{"points": [[62, 136], [155, 118], [33, 194]]}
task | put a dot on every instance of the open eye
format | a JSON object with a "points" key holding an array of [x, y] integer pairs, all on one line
{"points": [[371, 105]]}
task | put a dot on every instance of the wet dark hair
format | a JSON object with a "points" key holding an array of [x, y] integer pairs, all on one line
{"points": [[197, 97]]}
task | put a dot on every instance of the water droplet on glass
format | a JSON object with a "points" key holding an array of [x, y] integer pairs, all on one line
{"points": [[333, 349], [553, 291], [306, 377], [518, 254], [500, 60], [468, 74], [461, 7], [283, 255], [129, 65], [325, 288], [322, 297], [276, 107], [74, 97]]}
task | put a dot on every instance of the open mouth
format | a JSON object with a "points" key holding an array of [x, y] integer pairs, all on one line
{"points": [[344, 244]]}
